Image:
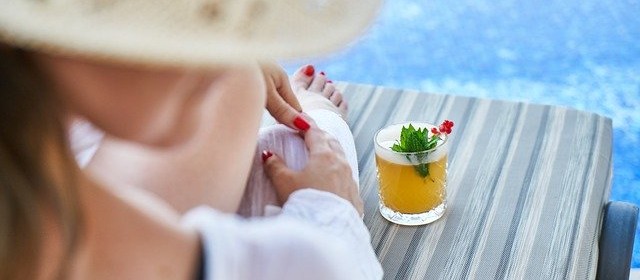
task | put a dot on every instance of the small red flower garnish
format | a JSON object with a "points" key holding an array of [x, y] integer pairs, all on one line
{"points": [[445, 127]]}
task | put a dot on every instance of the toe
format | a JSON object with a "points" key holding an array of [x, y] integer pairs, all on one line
{"points": [[344, 106], [336, 98], [344, 109], [318, 83], [302, 77], [328, 90]]}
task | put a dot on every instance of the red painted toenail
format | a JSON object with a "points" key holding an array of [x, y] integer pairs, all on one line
{"points": [[322, 73], [309, 70], [329, 81]]}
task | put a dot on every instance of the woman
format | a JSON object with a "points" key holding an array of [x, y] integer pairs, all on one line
{"points": [[60, 221], [197, 163]]}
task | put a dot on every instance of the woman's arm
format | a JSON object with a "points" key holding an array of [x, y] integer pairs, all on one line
{"points": [[317, 236]]}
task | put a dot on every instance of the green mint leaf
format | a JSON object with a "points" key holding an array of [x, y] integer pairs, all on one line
{"points": [[416, 140], [433, 142], [413, 140], [397, 148]]}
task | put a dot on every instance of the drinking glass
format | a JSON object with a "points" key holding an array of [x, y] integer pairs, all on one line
{"points": [[412, 186]]}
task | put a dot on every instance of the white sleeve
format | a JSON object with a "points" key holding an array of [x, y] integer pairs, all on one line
{"points": [[318, 235], [85, 140]]}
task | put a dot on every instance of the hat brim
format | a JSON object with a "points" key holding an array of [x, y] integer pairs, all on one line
{"points": [[194, 33]]}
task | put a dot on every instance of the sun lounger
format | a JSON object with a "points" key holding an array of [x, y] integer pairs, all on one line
{"points": [[528, 191]]}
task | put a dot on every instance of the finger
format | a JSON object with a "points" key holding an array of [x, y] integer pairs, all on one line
{"points": [[283, 105], [303, 122], [316, 140], [286, 92], [280, 175]]}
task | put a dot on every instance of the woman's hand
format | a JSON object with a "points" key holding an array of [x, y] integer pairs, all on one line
{"points": [[282, 103], [327, 170]]}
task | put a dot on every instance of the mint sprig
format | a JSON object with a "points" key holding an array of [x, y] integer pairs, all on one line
{"points": [[414, 140]]}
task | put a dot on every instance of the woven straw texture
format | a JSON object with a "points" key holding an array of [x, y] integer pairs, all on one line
{"points": [[187, 32]]}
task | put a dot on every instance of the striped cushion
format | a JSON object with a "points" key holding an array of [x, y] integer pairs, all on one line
{"points": [[526, 188]]}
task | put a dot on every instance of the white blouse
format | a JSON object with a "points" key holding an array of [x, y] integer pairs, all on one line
{"points": [[317, 235]]}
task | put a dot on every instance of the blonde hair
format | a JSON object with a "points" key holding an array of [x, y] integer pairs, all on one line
{"points": [[36, 167]]}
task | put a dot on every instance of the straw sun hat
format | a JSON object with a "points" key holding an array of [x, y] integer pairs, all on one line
{"points": [[200, 33]]}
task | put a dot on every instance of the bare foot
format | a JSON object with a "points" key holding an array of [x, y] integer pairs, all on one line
{"points": [[316, 91]]}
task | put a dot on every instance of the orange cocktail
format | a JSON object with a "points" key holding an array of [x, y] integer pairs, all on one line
{"points": [[412, 185]]}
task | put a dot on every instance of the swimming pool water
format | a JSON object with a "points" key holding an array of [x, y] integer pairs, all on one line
{"points": [[582, 54]]}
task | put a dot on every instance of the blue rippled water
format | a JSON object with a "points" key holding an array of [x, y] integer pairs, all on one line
{"points": [[582, 54]]}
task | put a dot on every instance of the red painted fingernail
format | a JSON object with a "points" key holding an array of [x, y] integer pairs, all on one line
{"points": [[329, 82], [322, 73], [301, 123], [266, 155], [309, 70]]}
